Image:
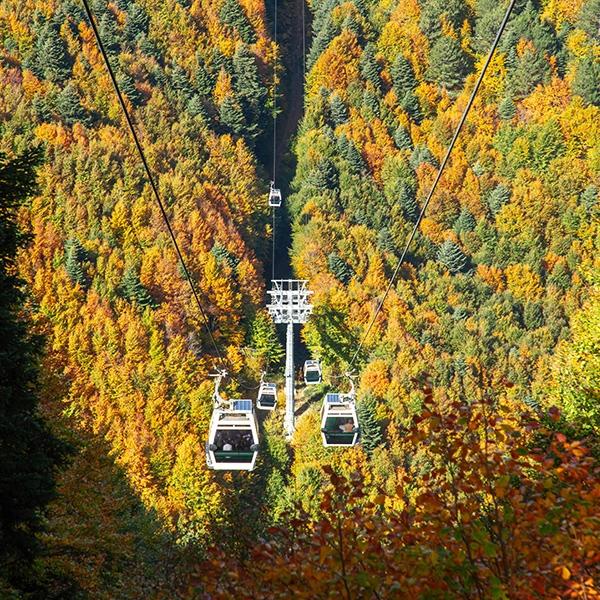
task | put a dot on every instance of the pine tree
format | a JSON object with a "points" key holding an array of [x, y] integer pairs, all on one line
{"points": [[109, 33], [465, 221], [204, 80], [337, 107], [196, 107], [589, 19], [136, 23], [497, 198], [587, 81], [408, 202], [531, 70], [507, 109], [223, 255], [69, 106], [589, 198], [452, 257], [448, 63], [342, 145], [134, 291], [340, 268], [320, 42], [368, 66], [30, 454], [402, 139], [51, 55], [263, 338], [355, 159], [410, 103], [231, 116], [403, 76], [127, 85], [370, 104], [233, 14], [247, 83], [420, 155], [533, 315], [371, 436], [74, 256], [180, 82]]}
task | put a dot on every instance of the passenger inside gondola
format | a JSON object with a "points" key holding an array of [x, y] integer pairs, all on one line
{"points": [[233, 441]]}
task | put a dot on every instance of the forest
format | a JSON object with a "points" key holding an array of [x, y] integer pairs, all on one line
{"points": [[475, 349]]}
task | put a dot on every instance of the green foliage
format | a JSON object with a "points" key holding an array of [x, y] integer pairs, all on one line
{"points": [[507, 109], [133, 289], [410, 103], [452, 257], [529, 70], [127, 86], [499, 196], [136, 23], [75, 256], [30, 453], [232, 117], [264, 340], [453, 12], [233, 14], [464, 222], [403, 76], [369, 67], [448, 63], [371, 435], [402, 139], [338, 109], [340, 268], [587, 81], [577, 370], [50, 59]]}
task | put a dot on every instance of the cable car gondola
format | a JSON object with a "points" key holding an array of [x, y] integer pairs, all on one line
{"points": [[312, 372], [274, 196], [267, 395], [339, 421], [233, 433]]}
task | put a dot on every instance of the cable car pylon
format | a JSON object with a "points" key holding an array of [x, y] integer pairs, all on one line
{"points": [[289, 304]]}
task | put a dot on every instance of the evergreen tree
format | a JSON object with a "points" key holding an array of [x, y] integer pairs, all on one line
{"points": [[51, 55], [410, 103], [533, 315], [453, 12], [204, 80], [136, 23], [452, 257], [355, 159], [587, 81], [448, 63], [109, 33], [29, 453], [342, 145], [403, 76], [402, 139], [368, 66], [531, 69], [589, 19], [74, 257], [134, 291], [371, 103], [233, 14], [41, 108], [325, 175], [232, 117], [247, 83], [420, 155], [497, 198], [180, 82], [507, 109], [320, 42], [127, 85], [337, 107], [408, 202], [196, 107], [340, 268], [263, 338], [589, 198], [371, 436], [69, 106], [465, 221], [223, 255]]}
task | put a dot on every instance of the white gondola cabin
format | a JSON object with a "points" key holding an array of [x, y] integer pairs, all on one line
{"points": [[233, 435], [312, 372], [274, 196], [339, 420], [267, 396]]}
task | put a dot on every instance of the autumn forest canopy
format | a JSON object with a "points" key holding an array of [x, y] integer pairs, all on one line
{"points": [[477, 469]]}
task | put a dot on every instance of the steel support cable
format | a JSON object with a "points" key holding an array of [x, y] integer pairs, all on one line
{"points": [[437, 179], [275, 57], [153, 185]]}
